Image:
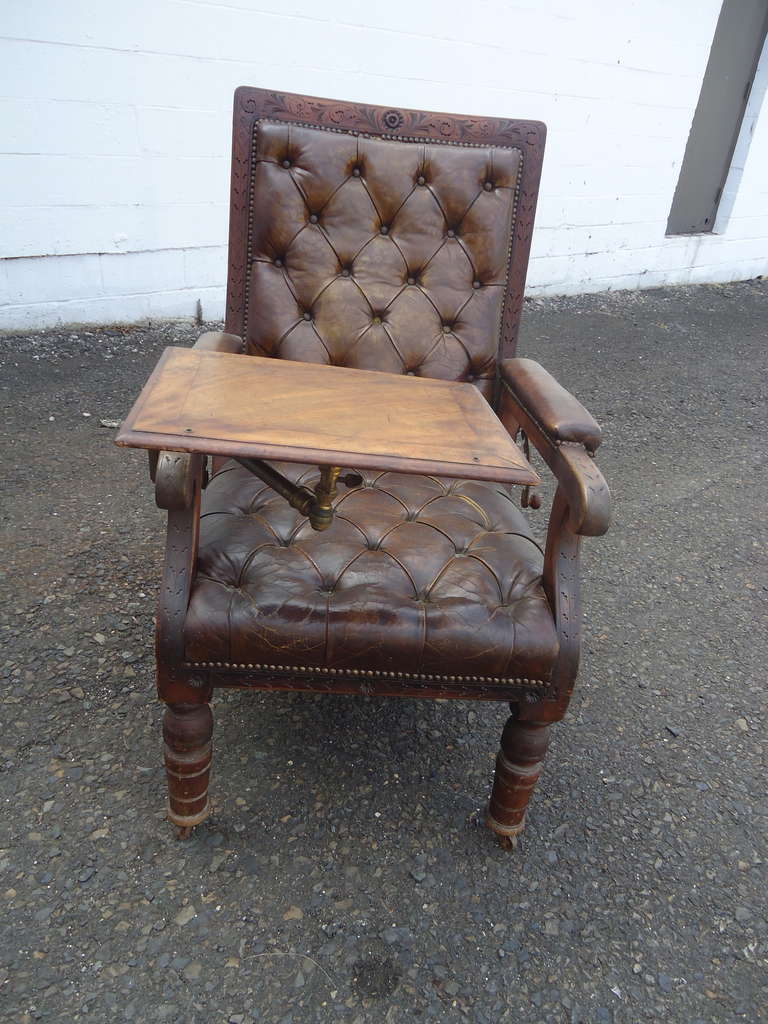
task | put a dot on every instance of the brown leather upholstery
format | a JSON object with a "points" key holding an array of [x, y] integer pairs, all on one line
{"points": [[395, 240], [380, 254], [416, 574], [561, 416]]}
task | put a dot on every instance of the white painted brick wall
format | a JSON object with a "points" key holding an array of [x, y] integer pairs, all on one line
{"points": [[116, 135]]}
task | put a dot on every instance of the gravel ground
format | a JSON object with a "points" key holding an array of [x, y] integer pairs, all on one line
{"points": [[346, 875]]}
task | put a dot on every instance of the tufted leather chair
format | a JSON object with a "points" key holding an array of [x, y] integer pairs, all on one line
{"points": [[389, 240]]}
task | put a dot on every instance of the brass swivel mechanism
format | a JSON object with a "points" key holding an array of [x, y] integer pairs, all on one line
{"points": [[316, 505]]}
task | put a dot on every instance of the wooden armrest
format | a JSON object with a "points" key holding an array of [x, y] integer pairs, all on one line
{"points": [[559, 415], [566, 436], [583, 485], [589, 500], [218, 341]]}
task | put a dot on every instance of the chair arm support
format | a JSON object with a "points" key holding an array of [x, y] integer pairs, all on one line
{"points": [[218, 341], [558, 414], [179, 480], [178, 485], [176, 477], [565, 436], [582, 483], [562, 585]]}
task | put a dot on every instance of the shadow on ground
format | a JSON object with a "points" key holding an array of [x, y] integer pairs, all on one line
{"points": [[346, 875]]}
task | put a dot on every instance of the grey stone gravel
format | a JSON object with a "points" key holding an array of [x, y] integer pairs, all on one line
{"points": [[346, 875]]}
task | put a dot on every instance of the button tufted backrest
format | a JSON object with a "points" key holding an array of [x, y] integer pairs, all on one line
{"points": [[379, 249]]}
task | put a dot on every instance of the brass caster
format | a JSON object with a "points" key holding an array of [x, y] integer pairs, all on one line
{"points": [[508, 836], [185, 823]]}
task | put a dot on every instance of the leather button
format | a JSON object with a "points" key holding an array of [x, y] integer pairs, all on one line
{"points": [[410, 373], [411, 280], [488, 186], [447, 328], [345, 272], [313, 218], [376, 320], [451, 233], [476, 284], [470, 377], [421, 180], [356, 172], [384, 230], [278, 262], [286, 163], [307, 316]]}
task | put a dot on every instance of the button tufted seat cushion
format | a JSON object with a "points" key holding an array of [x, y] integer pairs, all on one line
{"points": [[416, 575], [379, 253]]}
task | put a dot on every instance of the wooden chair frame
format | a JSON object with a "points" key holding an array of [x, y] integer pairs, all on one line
{"points": [[581, 505]]}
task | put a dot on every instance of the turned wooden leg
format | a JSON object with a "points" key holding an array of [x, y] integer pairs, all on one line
{"points": [[187, 731], [518, 767]]}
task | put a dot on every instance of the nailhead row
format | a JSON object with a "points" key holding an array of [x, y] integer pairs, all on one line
{"points": [[366, 673], [387, 136]]}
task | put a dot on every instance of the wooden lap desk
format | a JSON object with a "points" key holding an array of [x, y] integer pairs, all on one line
{"points": [[247, 407]]}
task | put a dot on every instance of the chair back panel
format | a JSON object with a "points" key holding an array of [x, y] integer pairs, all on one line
{"points": [[357, 243]]}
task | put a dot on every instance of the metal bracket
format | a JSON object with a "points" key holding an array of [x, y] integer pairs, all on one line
{"points": [[316, 505], [529, 498]]}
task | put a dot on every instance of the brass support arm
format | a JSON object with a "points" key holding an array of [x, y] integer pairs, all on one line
{"points": [[298, 497], [316, 505], [321, 511]]}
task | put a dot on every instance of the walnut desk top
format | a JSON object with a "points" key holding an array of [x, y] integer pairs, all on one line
{"points": [[218, 403]]}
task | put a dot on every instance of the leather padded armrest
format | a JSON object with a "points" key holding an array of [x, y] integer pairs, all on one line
{"points": [[556, 411], [218, 341]]}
